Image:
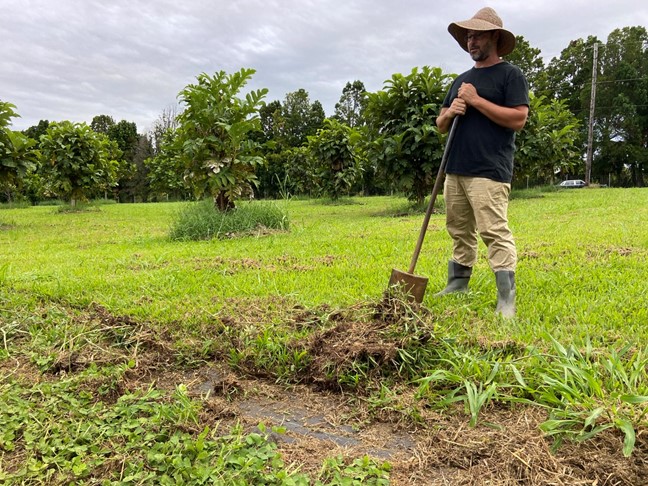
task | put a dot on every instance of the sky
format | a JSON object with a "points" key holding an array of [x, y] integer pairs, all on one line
{"points": [[129, 59]]}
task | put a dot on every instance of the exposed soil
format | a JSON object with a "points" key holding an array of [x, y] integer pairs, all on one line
{"points": [[322, 420], [507, 447]]}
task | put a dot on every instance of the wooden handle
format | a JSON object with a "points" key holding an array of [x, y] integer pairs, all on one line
{"points": [[435, 192]]}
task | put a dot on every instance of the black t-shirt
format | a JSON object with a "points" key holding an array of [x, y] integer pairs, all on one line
{"points": [[482, 148]]}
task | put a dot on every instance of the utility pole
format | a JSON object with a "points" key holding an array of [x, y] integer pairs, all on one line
{"points": [[590, 131]]}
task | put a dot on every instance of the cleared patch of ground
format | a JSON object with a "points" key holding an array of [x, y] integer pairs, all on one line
{"points": [[507, 447], [321, 419]]}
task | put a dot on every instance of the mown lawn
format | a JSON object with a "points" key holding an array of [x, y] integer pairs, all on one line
{"points": [[90, 299], [583, 258]]}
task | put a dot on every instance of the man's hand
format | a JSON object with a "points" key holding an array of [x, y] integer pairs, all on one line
{"points": [[513, 117], [468, 93], [458, 107], [466, 96]]}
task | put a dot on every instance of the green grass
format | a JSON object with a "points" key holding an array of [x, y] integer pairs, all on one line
{"points": [[582, 258], [199, 221], [577, 348]]}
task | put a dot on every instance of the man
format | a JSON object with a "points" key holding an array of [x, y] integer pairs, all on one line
{"points": [[491, 103]]}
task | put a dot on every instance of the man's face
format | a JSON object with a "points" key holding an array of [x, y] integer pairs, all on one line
{"points": [[481, 44]]}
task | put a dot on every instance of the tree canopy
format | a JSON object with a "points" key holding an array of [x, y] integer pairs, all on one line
{"points": [[350, 109], [405, 142], [78, 161], [17, 151], [226, 145], [212, 141]]}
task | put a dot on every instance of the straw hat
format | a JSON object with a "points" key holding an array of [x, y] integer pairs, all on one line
{"points": [[484, 19]]}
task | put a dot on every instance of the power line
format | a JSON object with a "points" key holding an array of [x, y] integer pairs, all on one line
{"points": [[598, 108], [643, 44], [622, 80]]}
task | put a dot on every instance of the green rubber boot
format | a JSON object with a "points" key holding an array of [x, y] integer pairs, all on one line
{"points": [[458, 277], [505, 281]]}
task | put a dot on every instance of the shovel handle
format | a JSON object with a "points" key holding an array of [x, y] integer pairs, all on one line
{"points": [[435, 192]]}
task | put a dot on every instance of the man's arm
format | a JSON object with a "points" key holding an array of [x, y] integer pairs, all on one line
{"points": [[445, 117], [513, 117], [444, 120]]}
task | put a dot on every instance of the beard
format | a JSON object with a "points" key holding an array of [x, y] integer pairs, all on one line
{"points": [[479, 55], [482, 53]]}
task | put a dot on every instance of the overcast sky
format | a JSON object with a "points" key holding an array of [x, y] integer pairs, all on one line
{"points": [[75, 59]]}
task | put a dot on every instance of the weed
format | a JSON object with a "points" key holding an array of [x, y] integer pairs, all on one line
{"points": [[337, 471]]}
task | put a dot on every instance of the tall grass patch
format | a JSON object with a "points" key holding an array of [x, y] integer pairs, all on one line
{"points": [[201, 221]]}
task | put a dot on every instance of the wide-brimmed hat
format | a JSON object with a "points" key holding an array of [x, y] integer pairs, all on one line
{"points": [[484, 19]]}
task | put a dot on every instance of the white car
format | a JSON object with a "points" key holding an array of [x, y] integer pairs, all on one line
{"points": [[573, 183]]}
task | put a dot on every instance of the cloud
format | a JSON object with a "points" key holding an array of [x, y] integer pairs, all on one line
{"points": [[75, 59]]}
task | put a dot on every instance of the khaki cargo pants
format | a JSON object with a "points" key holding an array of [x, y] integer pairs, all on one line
{"points": [[475, 205]]}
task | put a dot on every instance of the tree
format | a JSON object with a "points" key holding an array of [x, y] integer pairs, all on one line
{"points": [[286, 126], [78, 161], [124, 134], [621, 114], [405, 142], [548, 143], [136, 185], [333, 152], [619, 124], [36, 131], [102, 123], [213, 138], [299, 119], [270, 116], [350, 109], [165, 170], [530, 61], [17, 152], [167, 121], [569, 76]]}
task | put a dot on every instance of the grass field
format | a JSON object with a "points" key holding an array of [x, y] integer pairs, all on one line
{"points": [[92, 303]]}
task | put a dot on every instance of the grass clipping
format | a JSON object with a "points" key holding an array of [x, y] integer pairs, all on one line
{"points": [[202, 221]]}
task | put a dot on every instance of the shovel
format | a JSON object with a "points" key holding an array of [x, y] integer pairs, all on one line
{"points": [[412, 284]]}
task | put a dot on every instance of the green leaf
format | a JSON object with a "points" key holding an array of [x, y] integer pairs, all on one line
{"points": [[591, 419], [634, 399], [518, 376], [629, 441]]}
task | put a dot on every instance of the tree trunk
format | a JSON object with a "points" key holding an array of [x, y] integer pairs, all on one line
{"points": [[222, 202], [637, 175]]}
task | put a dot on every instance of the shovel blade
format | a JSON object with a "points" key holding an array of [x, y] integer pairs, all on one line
{"points": [[411, 284]]}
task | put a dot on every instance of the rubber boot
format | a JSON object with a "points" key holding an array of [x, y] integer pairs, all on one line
{"points": [[458, 277], [505, 281]]}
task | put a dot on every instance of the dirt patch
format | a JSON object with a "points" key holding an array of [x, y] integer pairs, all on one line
{"points": [[231, 266], [321, 419], [507, 447], [604, 253], [112, 339]]}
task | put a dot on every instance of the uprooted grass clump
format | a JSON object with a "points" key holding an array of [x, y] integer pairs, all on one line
{"points": [[87, 397], [201, 221], [370, 351]]}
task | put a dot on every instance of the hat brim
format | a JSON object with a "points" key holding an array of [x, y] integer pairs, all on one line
{"points": [[458, 30]]}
